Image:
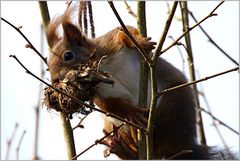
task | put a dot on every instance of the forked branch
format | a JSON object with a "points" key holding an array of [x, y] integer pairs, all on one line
{"points": [[19, 144], [158, 52], [9, 142], [191, 28], [124, 28], [98, 141], [212, 41]]}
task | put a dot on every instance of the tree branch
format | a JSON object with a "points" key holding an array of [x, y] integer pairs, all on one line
{"points": [[124, 28], [154, 97], [9, 142], [98, 141], [152, 111], [212, 41], [144, 72], [68, 134], [80, 13], [202, 93], [19, 145], [90, 14], [196, 81], [158, 52], [185, 22], [29, 43], [130, 10], [80, 123], [178, 154], [38, 104], [79, 101], [180, 53], [219, 121], [189, 29], [45, 14], [85, 21]]}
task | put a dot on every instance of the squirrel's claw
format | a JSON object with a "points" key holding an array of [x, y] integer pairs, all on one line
{"points": [[115, 144], [147, 45]]}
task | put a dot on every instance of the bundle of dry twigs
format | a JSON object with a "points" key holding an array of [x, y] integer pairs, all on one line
{"points": [[80, 83]]}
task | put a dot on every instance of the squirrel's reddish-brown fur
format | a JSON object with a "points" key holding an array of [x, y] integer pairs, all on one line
{"points": [[175, 126]]}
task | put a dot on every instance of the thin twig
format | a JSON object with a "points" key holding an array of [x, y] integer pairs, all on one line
{"points": [[185, 23], [168, 11], [80, 11], [98, 141], [79, 101], [69, 2], [37, 111], [38, 104], [196, 81], [220, 122], [37, 115], [125, 30], [9, 142], [189, 29], [157, 52], [80, 123], [181, 54], [90, 14], [202, 93], [152, 112], [29, 43], [168, 7], [85, 21], [212, 41], [217, 129], [214, 121], [19, 145], [130, 10], [178, 154]]}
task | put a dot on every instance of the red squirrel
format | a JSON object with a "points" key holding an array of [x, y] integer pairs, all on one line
{"points": [[175, 126]]}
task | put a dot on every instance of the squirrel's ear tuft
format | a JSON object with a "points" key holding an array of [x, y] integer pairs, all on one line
{"points": [[72, 33], [52, 36]]}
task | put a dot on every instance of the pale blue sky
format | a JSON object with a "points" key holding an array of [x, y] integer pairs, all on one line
{"points": [[19, 91]]}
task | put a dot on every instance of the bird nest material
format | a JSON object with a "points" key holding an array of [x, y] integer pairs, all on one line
{"points": [[79, 83]]}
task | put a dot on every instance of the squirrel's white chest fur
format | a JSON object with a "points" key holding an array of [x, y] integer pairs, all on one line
{"points": [[124, 68]]}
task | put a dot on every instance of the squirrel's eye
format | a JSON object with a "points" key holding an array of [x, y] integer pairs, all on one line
{"points": [[68, 55]]}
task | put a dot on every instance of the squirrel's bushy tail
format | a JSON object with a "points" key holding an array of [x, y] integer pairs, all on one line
{"points": [[201, 152]]}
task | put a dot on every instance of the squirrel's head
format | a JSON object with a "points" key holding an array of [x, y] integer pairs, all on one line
{"points": [[68, 50]]}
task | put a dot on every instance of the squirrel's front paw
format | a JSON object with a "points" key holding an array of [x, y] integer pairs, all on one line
{"points": [[138, 119], [116, 145], [146, 44]]}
